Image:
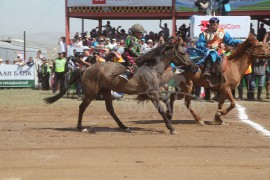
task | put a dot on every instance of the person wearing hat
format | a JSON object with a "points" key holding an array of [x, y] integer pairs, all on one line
{"points": [[108, 44], [209, 41], [132, 50], [1, 62], [59, 71], [100, 43], [15, 61]]}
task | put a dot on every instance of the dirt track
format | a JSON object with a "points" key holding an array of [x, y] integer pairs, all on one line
{"points": [[40, 141]]}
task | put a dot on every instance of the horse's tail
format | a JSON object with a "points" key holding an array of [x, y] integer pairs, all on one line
{"points": [[76, 75]]}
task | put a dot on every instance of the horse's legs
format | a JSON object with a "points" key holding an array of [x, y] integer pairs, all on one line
{"points": [[82, 107], [194, 114], [109, 107], [169, 105], [156, 102], [220, 112]]}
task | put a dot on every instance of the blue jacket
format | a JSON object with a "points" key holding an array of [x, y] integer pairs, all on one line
{"points": [[201, 44]]}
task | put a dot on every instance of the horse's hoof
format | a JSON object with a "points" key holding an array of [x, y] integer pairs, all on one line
{"points": [[127, 130], [221, 123], [85, 130], [173, 132], [201, 123], [213, 123]]}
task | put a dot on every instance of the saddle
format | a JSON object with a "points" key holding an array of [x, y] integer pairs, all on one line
{"points": [[217, 69]]}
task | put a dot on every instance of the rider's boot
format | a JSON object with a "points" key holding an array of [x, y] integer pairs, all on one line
{"points": [[208, 64], [126, 75]]}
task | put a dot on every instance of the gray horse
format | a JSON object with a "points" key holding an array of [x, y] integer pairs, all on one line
{"points": [[101, 78]]}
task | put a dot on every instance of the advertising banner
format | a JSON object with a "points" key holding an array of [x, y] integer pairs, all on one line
{"points": [[17, 76], [236, 5], [236, 26], [78, 3]]}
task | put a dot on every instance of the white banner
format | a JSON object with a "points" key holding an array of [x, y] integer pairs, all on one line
{"points": [[15, 72], [17, 76], [236, 26], [78, 3]]}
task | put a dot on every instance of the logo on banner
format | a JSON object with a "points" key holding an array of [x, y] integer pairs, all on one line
{"points": [[204, 25], [99, 1]]}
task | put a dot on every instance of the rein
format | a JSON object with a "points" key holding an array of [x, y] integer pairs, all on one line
{"points": [[178, 57], [251, 52]]}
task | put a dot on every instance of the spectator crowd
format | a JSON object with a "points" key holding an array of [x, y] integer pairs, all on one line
{"points": [[88, 48]]}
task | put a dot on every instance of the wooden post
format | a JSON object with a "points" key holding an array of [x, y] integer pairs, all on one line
{"points": [[173, 18], [67, 26]]}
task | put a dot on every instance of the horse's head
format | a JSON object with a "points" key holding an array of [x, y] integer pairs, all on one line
{"points": [[180, 56], [255, 48]]}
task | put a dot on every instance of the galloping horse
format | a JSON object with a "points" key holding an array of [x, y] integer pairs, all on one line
{"points": [[103, 77], [234, 69]]}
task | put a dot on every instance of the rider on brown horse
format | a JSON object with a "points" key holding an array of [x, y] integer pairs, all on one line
{"points": [[209, 41]]}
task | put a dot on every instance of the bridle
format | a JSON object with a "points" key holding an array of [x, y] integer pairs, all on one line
{"points": [[180, 58], [265, 55]]}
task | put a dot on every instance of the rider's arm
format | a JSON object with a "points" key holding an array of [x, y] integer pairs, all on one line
{"points": [[132, 51], [229, 41], [201, 43]]}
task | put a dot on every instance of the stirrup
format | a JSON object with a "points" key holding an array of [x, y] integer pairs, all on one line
{"points": [[124, 76], [206, 75]]}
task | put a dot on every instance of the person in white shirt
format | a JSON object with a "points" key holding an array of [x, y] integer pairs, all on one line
{"points": [[108, 44], [62, 43]]}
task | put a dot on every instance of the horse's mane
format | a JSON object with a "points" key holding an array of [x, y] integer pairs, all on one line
{"points": [[150, 55], [240, 49]]}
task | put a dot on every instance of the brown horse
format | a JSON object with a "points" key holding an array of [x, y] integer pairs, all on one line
{"points": [[234, 69], [103, 77]]}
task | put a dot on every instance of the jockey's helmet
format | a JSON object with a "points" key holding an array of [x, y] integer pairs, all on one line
{"points": [[214, 20], [137, 28]]}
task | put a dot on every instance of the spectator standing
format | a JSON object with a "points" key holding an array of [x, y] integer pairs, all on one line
{"points": [[204, 6], [59, 70], [21, 62], [166, 30], [38, 69], [15, 61], [70, 49], [261, 32], [266, 40], [258, 72], [45, 75], [7, 61], [268, 79], [30, 62], [252, 31], [62, 44], [108, 28], [247, 78]]}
